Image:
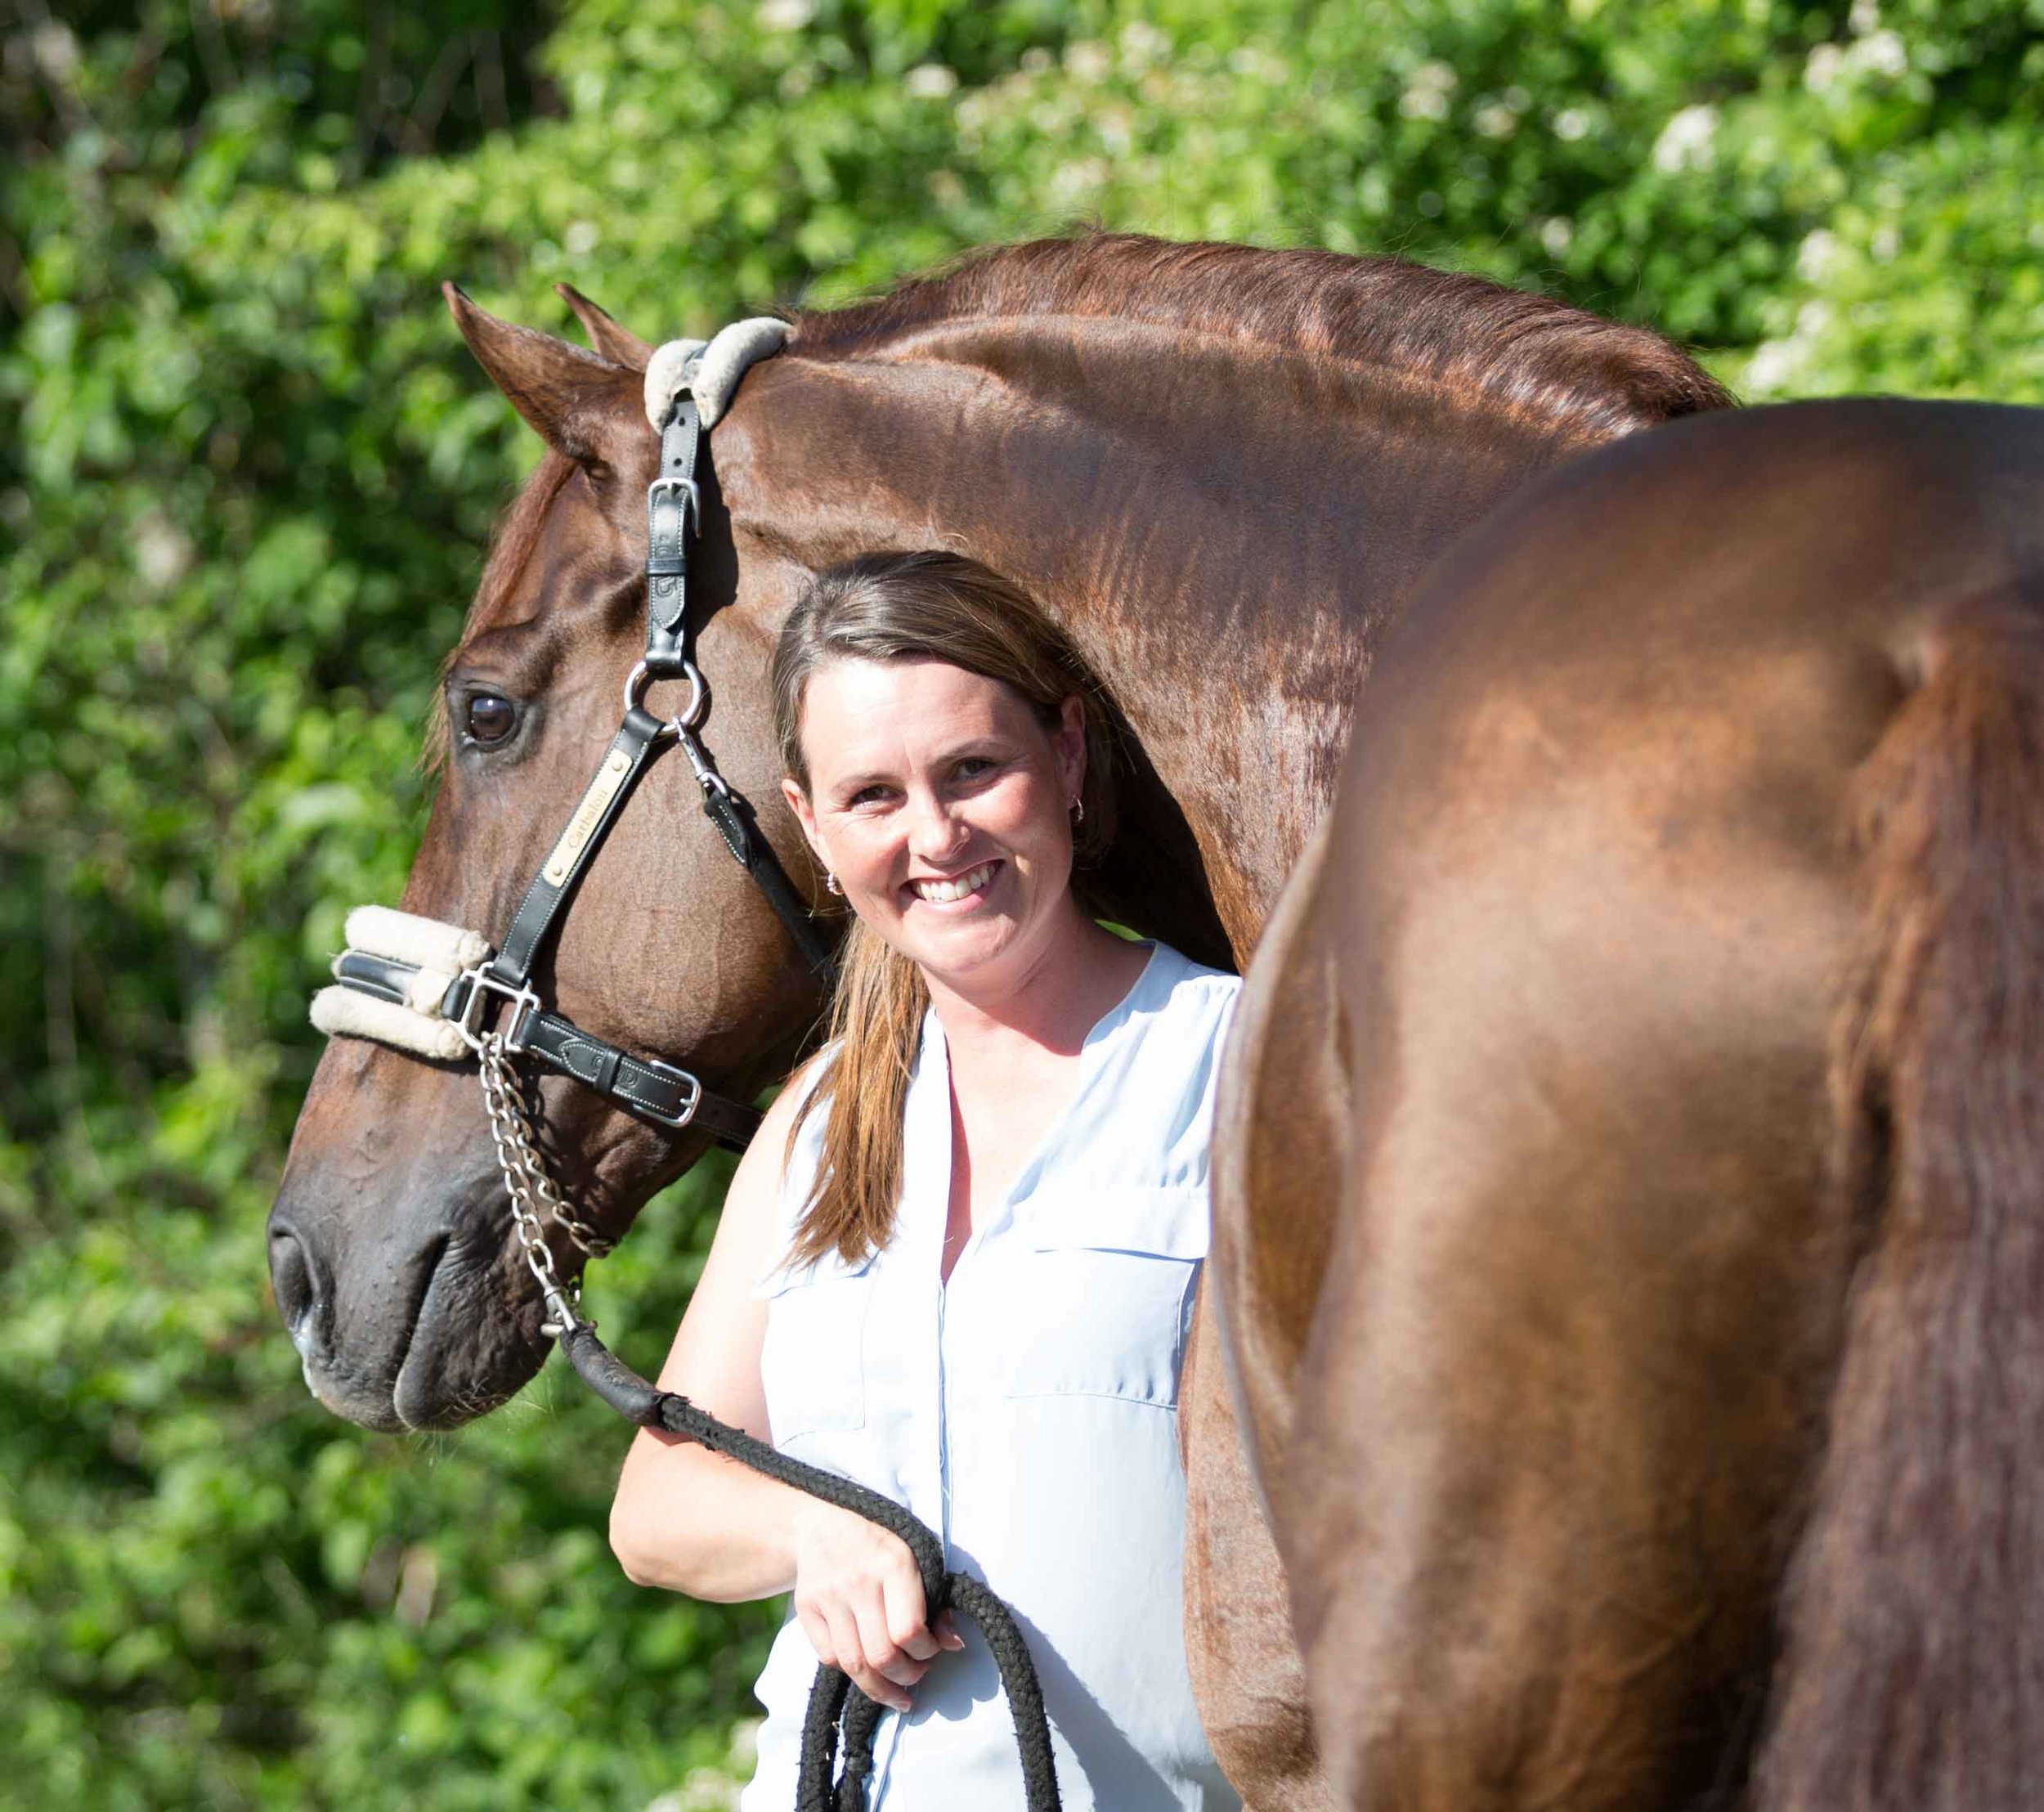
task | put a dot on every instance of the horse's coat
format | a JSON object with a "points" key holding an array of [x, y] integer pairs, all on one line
{"points": [[1630, 1166]]}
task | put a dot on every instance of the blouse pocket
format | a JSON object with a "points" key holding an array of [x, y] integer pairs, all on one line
{"points": [[812, 1363], [1109, 1288]]}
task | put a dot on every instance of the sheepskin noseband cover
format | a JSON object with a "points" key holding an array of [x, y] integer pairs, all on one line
{"points": [[437, 954]]}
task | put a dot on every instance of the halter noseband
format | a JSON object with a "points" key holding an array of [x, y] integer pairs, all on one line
{"points": [[438, 990]]}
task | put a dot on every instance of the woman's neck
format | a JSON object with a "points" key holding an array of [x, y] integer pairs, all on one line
{"points": [[1051, 1001]]}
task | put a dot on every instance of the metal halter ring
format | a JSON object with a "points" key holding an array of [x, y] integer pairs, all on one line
{"points": [[690, 715], [481, 986]]}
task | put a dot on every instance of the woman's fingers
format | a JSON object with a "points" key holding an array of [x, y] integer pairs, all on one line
{"points": [[883, 1651], [860, 1599], [832, 1626], [846, 1639], [901, 1594], [818, 1629]]}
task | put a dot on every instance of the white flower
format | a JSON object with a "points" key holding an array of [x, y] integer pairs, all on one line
{"points": [[1686, 141], [1883, 52], [1087, 61], [1816, 255], [1426, 96], [161, 551], [1571, 122], [1773, 365], [54, 48], [1143, 44], [1557, 234], [785, 15], [930, 81], [1822, 70]]}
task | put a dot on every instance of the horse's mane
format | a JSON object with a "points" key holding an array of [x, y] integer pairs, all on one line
{"points": [[1520, 351]]}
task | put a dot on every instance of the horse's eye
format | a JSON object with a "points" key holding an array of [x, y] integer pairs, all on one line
{"points": [[489, 719]]}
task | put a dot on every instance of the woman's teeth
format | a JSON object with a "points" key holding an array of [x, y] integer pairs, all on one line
{"points": [[937, 892]]}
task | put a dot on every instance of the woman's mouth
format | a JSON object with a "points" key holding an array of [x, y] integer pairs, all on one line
{"points": [[958, 887]]}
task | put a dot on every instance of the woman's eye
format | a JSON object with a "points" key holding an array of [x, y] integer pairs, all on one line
{"points": [[489, 719]]}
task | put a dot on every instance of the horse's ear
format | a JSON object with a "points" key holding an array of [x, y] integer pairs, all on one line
{"points": [[580, 405], [618, 344]]}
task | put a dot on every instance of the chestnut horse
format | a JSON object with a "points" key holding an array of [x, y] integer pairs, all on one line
{"points": [[1629, 1189], [1222, 470]]}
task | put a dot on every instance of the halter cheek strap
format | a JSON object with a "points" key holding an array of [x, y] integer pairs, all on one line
{"points": [[436, 990]]}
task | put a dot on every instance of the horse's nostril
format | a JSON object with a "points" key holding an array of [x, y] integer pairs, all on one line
{"points": [[291, 1277]]}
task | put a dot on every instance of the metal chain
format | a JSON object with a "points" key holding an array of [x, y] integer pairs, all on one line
{"points": [[530, 1186]]}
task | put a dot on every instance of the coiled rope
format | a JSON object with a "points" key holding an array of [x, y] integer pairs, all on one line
{"points": [[840, 1718]]}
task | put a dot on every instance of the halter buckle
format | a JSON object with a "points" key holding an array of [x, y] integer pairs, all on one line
{"points": [[525, 1005], [689, 491], [689, 1087]]}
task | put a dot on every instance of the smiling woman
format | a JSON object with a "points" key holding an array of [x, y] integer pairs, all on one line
{"points": [[958, 1264], [931, 723]]}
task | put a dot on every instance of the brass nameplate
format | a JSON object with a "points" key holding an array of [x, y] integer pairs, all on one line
{"points": [[582, 827]]}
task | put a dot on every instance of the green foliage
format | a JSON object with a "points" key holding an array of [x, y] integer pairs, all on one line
{"points": [[244, 500]]}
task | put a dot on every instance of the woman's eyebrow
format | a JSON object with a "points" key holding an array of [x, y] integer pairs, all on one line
{"points": [[859, 782]]}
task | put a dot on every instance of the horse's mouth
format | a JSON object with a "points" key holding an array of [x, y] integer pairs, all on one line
{"points": [[464, 1352]]}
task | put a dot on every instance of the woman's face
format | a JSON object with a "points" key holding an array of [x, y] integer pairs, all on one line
{"points": [[941, 803]]}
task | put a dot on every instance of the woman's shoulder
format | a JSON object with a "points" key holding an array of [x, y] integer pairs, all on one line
{"points": [[1186, 992], [1179, 1018], [784, 1147]]}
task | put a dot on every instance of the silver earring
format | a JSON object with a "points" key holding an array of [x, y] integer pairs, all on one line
{"points": [[830, 881], [1079, 811]]}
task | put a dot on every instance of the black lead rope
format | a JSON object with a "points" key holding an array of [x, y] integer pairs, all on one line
{"points": [[840, 1717]]}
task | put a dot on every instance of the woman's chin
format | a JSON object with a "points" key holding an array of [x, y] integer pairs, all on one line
{"points": [[960, 946]]}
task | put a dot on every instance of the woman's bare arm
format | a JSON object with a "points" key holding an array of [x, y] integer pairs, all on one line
{"points": [[693, 1521], [683, 1518]]}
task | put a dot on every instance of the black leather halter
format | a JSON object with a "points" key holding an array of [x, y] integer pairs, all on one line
{"points": [[649, 1086]]}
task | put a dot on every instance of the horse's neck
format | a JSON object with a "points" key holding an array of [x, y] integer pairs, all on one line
{"points": [[1224, 531]]}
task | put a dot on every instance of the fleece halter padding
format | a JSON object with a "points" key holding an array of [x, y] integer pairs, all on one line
{"points": [[426, 958], [711, 369]]}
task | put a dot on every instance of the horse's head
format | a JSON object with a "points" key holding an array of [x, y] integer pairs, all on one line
{"points": [[391, 1244]]}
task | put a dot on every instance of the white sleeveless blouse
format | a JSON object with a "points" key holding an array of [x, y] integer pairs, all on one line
{"points": [[1028, 1412]]}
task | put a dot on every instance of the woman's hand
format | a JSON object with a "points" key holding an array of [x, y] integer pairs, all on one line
{"points": [[858, 1599]]}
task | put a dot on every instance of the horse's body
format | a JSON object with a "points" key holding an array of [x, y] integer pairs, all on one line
{"points": [[1630, 1190], [1222, 470]]}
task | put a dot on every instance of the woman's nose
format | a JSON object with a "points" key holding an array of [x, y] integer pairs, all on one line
{"points": [[935, 831]]}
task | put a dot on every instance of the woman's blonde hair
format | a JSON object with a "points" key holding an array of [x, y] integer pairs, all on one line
{"points": [[908, 606]]}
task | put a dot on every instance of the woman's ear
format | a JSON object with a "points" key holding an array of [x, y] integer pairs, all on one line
{"points": [[1070, 742], [798, 804]]}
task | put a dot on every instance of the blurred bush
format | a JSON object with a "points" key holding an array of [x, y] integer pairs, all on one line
{"points": [[243, 501]]}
